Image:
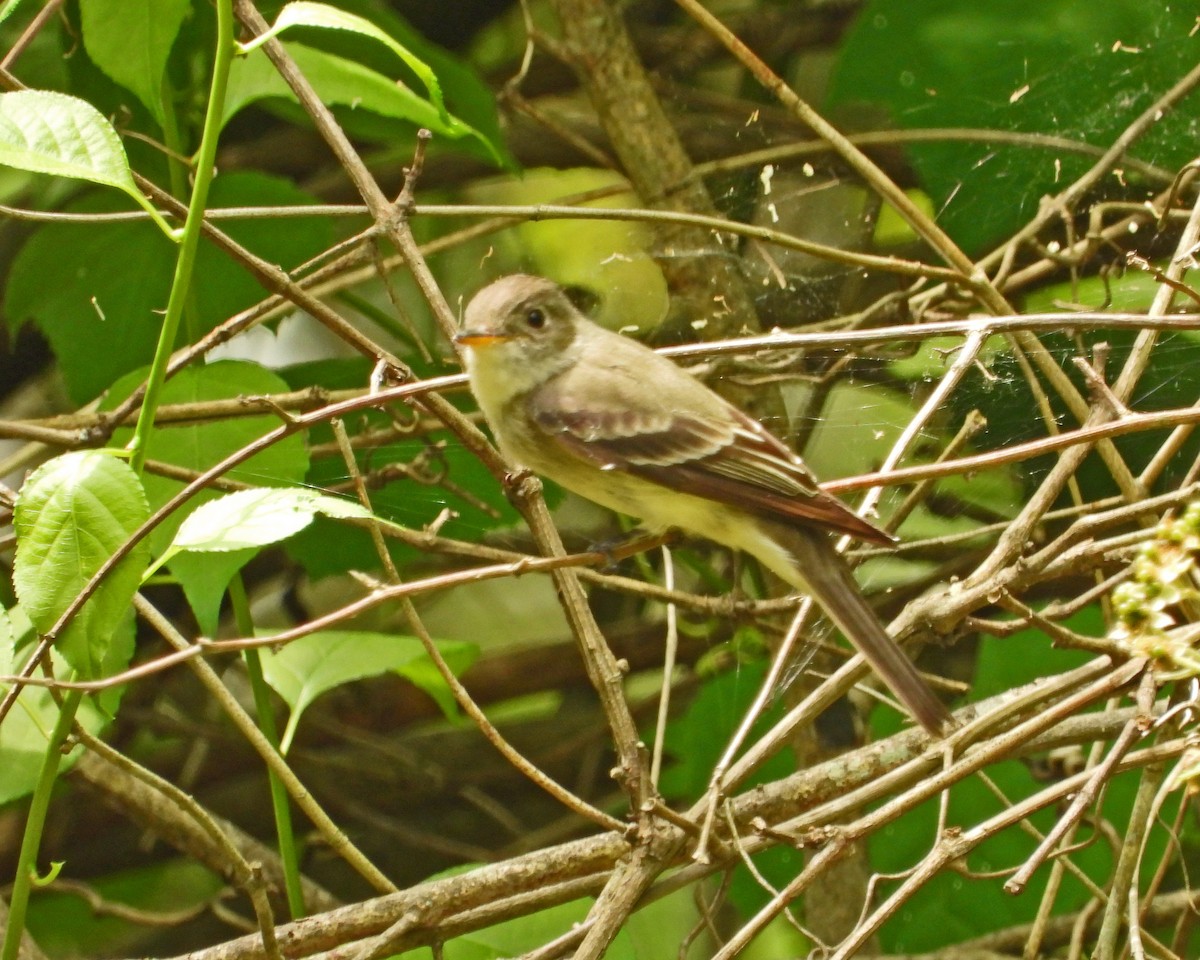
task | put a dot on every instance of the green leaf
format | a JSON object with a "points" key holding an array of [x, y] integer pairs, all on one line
{"points": [[1132, 291], [468, 95], [611, 259], [934, 355], [698, 736], [424, 674], [25, 732], [74, 280], [655, 931], [339, 82], [204, 578], [314, 664], [409, 503], [345, 83], [958, 905], [303, 13], [951, 908], [510, 938], [257, 518], [130, 41], [198, 446], [8, 9], [1006, 663], [1082, 71], [71, 516], [477, 503], [63, 923], [46, 132]]}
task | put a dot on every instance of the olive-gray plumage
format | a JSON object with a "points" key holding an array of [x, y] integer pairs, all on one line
{"points": [[615, 422]]}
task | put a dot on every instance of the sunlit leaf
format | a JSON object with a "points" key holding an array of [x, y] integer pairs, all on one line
{"points": [[198, 446], [304, 13], [345, 83], [46, 132], [256, 518], [71, 516], [510, 938], [8, 9]]}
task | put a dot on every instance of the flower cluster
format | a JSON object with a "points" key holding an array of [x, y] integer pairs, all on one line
{"points": [[1152, 608]]}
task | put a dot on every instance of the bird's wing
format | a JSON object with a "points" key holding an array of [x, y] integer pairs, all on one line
{"points": [[686, 438]]}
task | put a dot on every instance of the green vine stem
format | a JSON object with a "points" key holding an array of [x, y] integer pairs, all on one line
{"points": [[186, 262], [34, 825], [266, 723], [180, 285]]}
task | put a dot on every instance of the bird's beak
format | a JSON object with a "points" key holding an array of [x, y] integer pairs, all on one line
{"points": [[478, 338]]}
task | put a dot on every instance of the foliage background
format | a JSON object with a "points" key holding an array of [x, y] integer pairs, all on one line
{"points": [[993, 122]]}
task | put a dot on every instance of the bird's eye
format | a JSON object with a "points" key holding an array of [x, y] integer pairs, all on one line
{"points": [[535, 319]]}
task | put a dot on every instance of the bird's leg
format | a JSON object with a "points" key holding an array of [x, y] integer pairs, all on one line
{"points": [[625, 545]]}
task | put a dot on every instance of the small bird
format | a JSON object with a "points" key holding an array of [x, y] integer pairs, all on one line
{"points": [[613, 421]]}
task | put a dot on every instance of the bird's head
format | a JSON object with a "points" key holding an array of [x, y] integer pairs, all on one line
{"points": [[519, 329]]}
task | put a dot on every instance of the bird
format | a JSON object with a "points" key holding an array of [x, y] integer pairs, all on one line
{"points": [[608, 418]]}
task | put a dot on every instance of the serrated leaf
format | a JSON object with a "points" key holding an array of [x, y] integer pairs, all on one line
{"points": [[46, 132], [71, 516], [319, 662], [304, 13], [258, 518], [130, 41], [15, 632], [219, 537]]}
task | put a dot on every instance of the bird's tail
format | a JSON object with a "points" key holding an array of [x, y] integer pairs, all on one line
{"points": [[823, 572]]}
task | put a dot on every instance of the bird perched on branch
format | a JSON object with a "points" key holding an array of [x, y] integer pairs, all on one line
{"points": [[613, 421]]}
